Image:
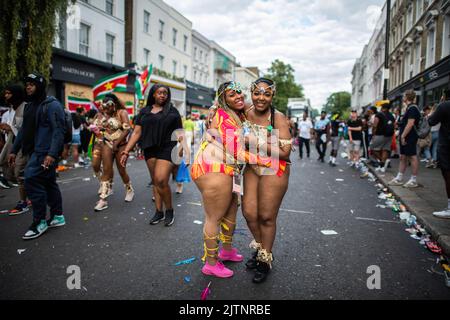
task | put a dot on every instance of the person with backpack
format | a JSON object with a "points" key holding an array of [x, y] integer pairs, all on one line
{"points": [[408, 137], [42, 136], [383, 131]]}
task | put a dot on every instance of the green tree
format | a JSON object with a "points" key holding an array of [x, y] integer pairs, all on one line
{"points": [[27, 32], [283, 75], [338, 102]]}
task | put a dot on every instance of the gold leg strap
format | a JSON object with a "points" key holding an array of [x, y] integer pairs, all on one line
{"points": [[264, 256], [104, 189], [215, 250], [255, 245], [226, 239]]}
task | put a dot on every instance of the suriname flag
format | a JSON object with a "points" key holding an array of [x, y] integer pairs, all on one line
{"points": [[73, 103], [114, 83]]}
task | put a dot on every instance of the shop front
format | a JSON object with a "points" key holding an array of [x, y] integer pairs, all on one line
{"points": [[198, 99], [73, 77], [429, 85]]}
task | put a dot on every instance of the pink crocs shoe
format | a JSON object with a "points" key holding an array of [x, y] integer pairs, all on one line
{"points": [[219, 270], [232, 255]]}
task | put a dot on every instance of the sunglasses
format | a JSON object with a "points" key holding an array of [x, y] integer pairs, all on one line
{"points": [[109, 103]]}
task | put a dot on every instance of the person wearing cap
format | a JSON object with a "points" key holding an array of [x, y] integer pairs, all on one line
{"points": [[383, 130], [41, 137], [11, 124]]}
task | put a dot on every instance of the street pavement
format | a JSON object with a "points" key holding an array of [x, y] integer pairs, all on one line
{"points": [[122, 257]]}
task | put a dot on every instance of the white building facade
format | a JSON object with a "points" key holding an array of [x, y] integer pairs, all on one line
{"points": [[161, 36], [245, 77], [368, 71], [223, 64], [201, 60]]}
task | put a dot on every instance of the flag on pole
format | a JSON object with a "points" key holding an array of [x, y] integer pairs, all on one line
{"points": [[91, 146], [113, 83], [130, 108], [142, 82], [74, 103]]}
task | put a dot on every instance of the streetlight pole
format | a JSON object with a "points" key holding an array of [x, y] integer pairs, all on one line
{"points": [[386, 51]]}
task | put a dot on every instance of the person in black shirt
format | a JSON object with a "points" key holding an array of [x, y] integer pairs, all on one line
{"points": [[408, 142], [383, 131], [355, 135], [154, 128], [442, 116], [335, 138]]}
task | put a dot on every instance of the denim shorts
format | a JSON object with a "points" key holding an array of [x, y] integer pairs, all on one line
{"points": [[76, 139]]}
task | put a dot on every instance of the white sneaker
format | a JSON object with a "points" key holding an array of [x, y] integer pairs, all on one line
{"points": [[130, 193], [64, 162], [410, 184], [395, 182], [101, 205], [442, 214]]}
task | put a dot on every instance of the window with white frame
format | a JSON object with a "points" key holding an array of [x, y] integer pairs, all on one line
{"points": [[146, 21], [185, 71], [407, 66], [109, 7], [417, 56], [446, 36], [147, 57], [174, 67], [195, 76], [110, 48], [201, 55], [185, 43], [161, 62], [161, 30], [206, 58], [419, 9], [431, 46], [195, 53], [174, 37], [409, 19], [84, 39]]}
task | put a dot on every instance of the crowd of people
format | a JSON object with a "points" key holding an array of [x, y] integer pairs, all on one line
{"points": [[244, 149], [380, 134]]}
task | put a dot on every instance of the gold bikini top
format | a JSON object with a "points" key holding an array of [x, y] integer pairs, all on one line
{"points": [[262, 133]]}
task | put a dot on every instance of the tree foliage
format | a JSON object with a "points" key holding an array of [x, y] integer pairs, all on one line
{"points": [[27, 32], [338, 102], [283, 75]]}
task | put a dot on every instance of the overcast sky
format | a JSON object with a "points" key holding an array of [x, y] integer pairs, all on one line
{"points": [[320, 38]]}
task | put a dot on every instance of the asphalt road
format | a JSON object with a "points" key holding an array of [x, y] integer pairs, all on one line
{"points": [[122, 257]]}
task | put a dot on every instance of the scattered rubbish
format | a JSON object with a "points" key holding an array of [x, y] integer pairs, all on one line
{"points": [[85, 219], [296, 211], [179, 205], [416, 237], [4, 211], [84, 288], [411, 221], [344, 155], [352, 211], [404, 216], [187, 279], [340, 180], [198, 222], [141, 213], [329, 232], [187, 261], [381, 206], [20, 251], [322, 172], [318, 265], [206, 292], [87, 179], [340, 170], [434, 247]]}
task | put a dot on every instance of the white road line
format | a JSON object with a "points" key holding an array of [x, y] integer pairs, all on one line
{"points": [[296, 211], [369, 219]]}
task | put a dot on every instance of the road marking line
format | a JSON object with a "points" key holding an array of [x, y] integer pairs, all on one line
{"points": [[296, 211], [369, 219], [195, 204]]}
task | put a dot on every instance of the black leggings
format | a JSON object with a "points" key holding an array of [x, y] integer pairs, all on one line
{"points": [[303, 141], [446, 175]]}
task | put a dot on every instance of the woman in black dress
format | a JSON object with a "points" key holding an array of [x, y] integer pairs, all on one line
{"points": [[154, 128]]}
